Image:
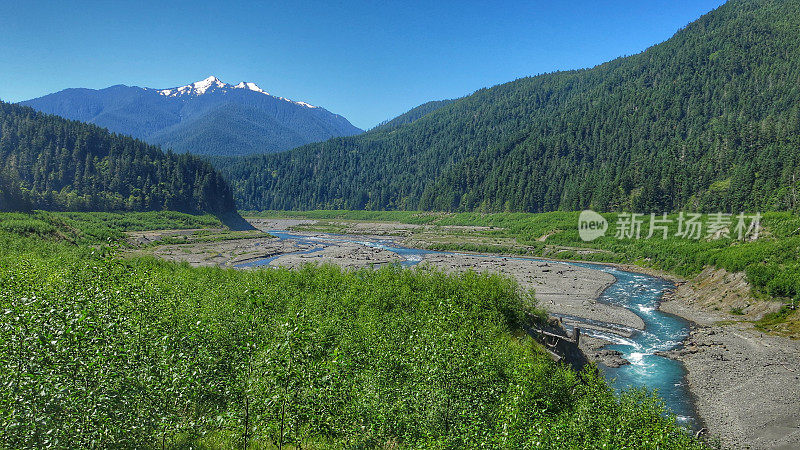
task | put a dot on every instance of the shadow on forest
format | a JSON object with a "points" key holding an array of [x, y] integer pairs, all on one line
{"points": [[234, 221]]}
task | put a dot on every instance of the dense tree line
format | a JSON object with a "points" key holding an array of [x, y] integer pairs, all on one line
{"points": [[12, 198], [709, 119], [51, 163]]}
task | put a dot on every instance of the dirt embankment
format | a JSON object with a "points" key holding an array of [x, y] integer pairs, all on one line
{"points": [[724, 293], [746, 384]]}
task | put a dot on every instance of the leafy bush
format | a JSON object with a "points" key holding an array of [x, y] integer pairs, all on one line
{"points": [[27, 227]]}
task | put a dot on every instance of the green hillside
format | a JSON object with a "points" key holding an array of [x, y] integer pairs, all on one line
{"points": [[50, 163], [709, 119], [412, 115]]}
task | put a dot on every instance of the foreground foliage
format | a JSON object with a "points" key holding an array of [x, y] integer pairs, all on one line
{"points": [[97, 351]]}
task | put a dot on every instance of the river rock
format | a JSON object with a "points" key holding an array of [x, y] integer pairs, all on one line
{"points": [[610, 358]]}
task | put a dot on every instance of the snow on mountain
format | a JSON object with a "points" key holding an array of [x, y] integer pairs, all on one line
{"points": [[213, 83], [196, 88], [250, 86]]}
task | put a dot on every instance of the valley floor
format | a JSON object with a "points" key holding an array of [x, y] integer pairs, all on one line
{"points": [[746, 384]]}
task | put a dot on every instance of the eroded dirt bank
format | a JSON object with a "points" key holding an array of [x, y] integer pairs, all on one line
{"points": [[746, 384]]}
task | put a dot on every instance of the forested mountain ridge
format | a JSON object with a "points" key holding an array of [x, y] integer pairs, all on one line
{"points": [[709, 119], [412, 115], [207, 117], [47, 162]]}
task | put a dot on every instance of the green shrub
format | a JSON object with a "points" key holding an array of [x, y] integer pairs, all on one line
{"points": [[27, 227]]}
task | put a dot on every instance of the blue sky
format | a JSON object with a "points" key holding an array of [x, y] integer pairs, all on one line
{"points": [[366, 60]]}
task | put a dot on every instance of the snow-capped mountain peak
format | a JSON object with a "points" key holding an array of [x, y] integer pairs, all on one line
{"points": [[196, 88], [202, 86], [250, 86], [199, 116], [213, 83]]}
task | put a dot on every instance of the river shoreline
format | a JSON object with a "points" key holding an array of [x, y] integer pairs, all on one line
{"points": [[745, 384]]}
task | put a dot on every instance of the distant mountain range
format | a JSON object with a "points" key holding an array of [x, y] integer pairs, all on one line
{"points": [[208, 117]]}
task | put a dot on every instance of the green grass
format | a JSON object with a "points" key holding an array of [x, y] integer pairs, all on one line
{"points": [[97, 351], [785, 321], [96, 227]]}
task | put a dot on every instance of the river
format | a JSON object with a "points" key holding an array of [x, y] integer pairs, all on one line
{"points": [[636, 292]]}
